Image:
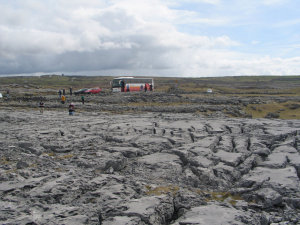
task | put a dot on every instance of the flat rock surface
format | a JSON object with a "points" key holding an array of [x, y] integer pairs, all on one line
{"points": [[147, 168]]}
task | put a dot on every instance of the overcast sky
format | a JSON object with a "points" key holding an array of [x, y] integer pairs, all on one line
{"points": [[191, 38]]}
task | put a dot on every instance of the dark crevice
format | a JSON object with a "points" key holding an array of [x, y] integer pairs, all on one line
{"points": [[229, 129], [249, 144], [192, 137], [233, 144]]}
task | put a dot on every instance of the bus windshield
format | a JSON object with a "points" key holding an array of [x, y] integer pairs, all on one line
{"points": [[116, 83]]}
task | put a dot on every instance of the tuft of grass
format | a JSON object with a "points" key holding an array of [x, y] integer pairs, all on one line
{"points": [[153, 104], [51, 154], [222, 196], [11, 171], [5, 161], [33, 165], [58, 169], [162, 190], [286, 110], [55, 156], [68, 156]]}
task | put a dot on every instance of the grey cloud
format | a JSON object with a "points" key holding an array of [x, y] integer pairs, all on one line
{"points": [[144, 54], [116, 20]]}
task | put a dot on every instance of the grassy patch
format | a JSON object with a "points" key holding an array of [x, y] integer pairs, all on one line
{"points": [[11, 171], [286, 110], [224, 196], [58, 82], [138, 104], [51, 154], [162, 190], [68, 156], [5, 161]]}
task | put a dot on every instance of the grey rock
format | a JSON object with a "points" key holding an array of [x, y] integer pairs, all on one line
{"points": [[216, 214], [268, 196], [114, 169], [22, 165]]}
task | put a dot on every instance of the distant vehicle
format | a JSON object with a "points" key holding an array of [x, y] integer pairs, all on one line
{"points": [[93, 90], [209, 90], [88, 91], [81, 91], [132, 84]]}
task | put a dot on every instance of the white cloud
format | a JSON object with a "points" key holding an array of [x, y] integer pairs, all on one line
{"points": [[119, 36], [177, 2]]}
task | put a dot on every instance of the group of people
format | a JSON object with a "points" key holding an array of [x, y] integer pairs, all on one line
{"points": [[71, 107], [63, 92], [147, 87], [62, 96]]}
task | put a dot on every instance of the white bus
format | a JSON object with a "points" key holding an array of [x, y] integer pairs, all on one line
{"points": [[127, 84]]}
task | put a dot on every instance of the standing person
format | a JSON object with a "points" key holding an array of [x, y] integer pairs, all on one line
{"points": [[71, 92], [59, 93], [71, 109], [141, 88], [63, 99], [64, 92], [7, 94], [146, 87], [122, 86], [127, 88], [41, 106], [82, 99], [151, 87]]}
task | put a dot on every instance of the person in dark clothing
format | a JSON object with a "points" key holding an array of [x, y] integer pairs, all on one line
{"points": [[59, 93], [7, 94], [151, 87], [122, 86], [64, 92], [41, 106], [146, 87], [71, 109], [71, 91], [82, 99]]}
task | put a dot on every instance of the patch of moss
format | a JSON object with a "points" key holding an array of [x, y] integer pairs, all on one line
{"points": [[162, 190], [51, 154], [222, 196], [5, 161], [68, 156]]}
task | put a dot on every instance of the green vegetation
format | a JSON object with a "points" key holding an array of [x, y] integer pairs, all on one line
{"points": [[5, 161], [223, 196], [267, 88], [56, 82], [162, 190], [286, 110], [248, 85]]}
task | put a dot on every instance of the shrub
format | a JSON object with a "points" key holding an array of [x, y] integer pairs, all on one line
{"points": [[272, 115]]}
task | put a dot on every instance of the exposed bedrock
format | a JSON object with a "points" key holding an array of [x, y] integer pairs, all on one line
{"points": [[151, 168]]}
